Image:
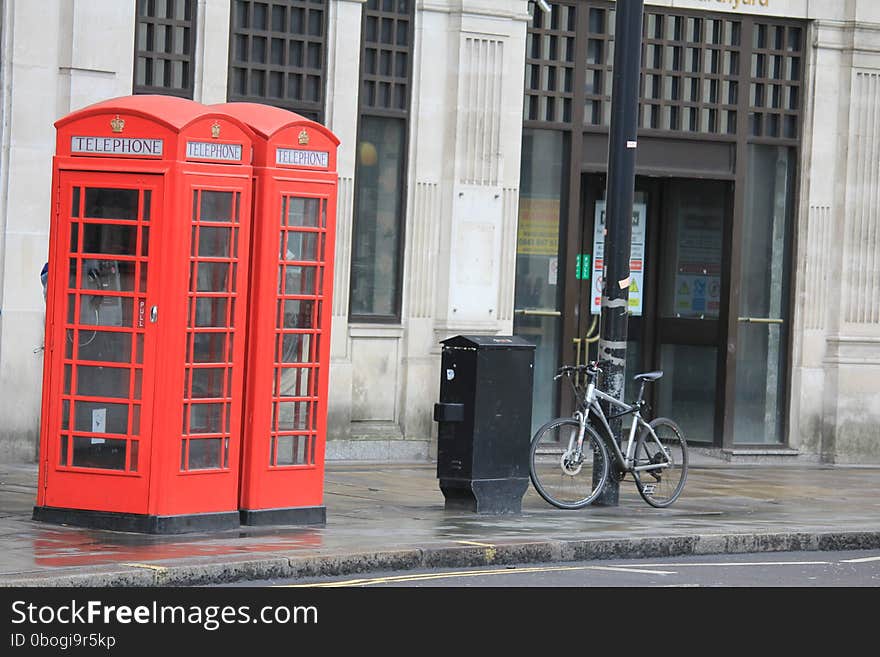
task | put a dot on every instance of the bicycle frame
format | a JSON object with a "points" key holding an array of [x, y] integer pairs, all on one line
{"points": [[625, 461]]}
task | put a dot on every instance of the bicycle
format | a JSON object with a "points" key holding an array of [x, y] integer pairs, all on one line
{"points": [[569, 460]]}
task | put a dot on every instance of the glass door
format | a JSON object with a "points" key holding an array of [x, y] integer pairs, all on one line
{"points": [[690, 283], [762, 333], [540, 264]]}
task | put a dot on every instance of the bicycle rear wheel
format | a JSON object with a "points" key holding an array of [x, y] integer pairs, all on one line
{"points": [[660, 487], [560, 476]]}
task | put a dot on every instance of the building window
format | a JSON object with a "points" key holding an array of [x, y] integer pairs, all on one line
{"points": [[697, 68], [550, 65], [775, 81], [380, 175], [278, 53], [165, 37]]}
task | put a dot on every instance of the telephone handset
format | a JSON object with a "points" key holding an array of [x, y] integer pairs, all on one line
{"points": [[100, 275]]}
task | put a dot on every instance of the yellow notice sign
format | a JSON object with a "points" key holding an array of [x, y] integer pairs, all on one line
{"points": [[538, 231]]}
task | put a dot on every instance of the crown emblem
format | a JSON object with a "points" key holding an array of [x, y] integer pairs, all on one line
{"points": [[117, 124], [303, 138], [215, 130]]}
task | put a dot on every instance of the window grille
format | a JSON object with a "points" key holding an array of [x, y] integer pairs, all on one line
{"points": [[277, 54], [165, 37], [695, 66]]}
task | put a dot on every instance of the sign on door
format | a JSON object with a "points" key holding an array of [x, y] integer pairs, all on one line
{"points": [[636, 258]]}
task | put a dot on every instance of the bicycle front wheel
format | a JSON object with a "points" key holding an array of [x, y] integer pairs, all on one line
{"points": [[665, 457], [561, 476]]}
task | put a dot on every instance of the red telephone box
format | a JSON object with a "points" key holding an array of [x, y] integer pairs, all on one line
{"points": [[288, 349], [145, 317]]}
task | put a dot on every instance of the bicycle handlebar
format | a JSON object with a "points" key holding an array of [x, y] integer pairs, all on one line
{"points": [[591, 368]]}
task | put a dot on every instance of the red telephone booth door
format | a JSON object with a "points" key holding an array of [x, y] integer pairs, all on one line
{"points": [[98, 433], [289, 357]]}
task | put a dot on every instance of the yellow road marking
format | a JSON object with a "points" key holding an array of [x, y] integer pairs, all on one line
{"points": [[643, 568], [490, 549], [146, 565], [467, 573]]}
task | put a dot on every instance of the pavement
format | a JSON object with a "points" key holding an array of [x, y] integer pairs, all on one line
{"points": [[392, 516]]}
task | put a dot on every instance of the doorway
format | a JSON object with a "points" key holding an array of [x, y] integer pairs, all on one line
{"points": [[677, 292]]}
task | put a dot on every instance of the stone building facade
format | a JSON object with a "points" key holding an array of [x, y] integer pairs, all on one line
{"points": [[474, 106]]}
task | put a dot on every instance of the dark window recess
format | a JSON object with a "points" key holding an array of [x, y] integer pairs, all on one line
{"points": [[165, 37], [278, 53], [380, 175]]}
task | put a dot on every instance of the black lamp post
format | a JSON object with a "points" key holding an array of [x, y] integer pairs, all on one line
{"points": [[618, 212]]}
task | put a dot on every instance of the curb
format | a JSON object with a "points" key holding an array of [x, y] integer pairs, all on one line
{"points": [[199, 572]]}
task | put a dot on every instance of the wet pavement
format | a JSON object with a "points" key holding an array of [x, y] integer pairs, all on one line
{"points": [[393, 516]]}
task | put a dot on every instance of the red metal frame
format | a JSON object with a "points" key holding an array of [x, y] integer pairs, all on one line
{"points": [[127, 370], [288, 350]]}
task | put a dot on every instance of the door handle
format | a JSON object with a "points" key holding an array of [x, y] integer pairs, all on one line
{"points": [[761, 320], [538, 312]]}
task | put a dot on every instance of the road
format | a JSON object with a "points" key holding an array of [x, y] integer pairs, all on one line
{"points": [[773, 569]]}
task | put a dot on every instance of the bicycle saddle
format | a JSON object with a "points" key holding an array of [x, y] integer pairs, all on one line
{"points": [[648, 376]]}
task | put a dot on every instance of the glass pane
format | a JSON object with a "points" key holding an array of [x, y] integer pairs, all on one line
{"points": [[102, 381], [378, 223], [300, 246], [109, 238], [105, 453], [687, 390], [205, 418], [111, 203], [216, 206], [213, 242], [204, 453], [211, 311], [292, 416], [74, 205], [212, 276], [207, 382], [148, 201], [293, 450], [298, 313], [299, 280], [303, 212], [295, 348], [762, 347], [103, 346], [105, 310], [208, 348], [293, 382], [108, 275], [537, 262], [100, 417]]}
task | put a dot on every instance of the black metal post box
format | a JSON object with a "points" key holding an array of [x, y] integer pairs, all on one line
{"points": [[484, 422]]}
